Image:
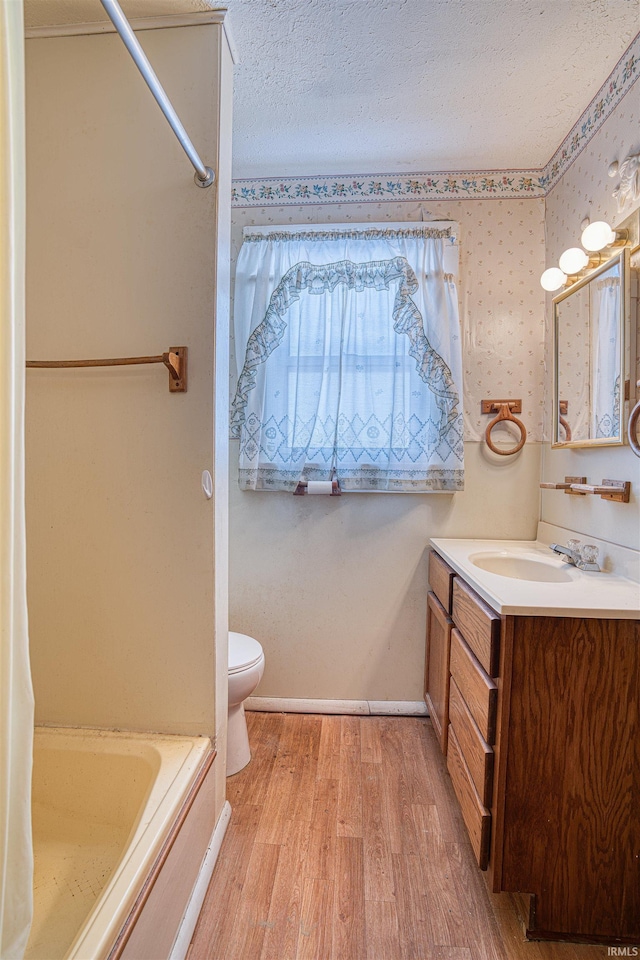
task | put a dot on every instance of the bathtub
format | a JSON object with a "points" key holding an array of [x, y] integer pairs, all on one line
{"points": [[104, 804]]}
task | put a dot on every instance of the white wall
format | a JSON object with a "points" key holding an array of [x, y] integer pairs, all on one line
{"points": [[122, 262], [586, 190], [335, 589]]}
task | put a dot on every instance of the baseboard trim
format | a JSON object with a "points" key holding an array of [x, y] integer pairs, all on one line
{"points": [[363, 708], [194, 906]]}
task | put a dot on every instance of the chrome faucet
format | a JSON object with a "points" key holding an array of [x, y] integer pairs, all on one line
{"points": [[583, 559], [571, 556]]}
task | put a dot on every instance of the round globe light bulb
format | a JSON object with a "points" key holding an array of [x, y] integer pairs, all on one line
{"points": [[573, 261], [552, 279], [597, 236]]}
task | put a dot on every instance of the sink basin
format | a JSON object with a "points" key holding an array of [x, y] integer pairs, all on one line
{"points": [[520, 568]]}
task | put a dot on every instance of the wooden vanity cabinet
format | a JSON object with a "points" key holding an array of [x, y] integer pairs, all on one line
{"points": [[436, 671], [436, 666], [543, 750]]}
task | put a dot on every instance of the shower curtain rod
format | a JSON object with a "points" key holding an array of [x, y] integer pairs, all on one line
{"points": [[204, 176]]}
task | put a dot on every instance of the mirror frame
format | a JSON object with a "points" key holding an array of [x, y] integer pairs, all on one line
{"points": [[624, 320]]}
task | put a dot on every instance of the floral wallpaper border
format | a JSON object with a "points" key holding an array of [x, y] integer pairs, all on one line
{"points": [[618, 84], [450, 185]]}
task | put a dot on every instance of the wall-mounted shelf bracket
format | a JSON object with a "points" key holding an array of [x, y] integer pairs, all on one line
{"points": [[566, 486], [616, 490]]}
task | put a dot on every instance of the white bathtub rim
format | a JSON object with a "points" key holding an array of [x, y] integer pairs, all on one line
{"points": [[112, 907], [192, 911], [106, 919]]}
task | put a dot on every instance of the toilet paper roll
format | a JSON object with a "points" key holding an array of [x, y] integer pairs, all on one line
{"points": [[319, 486]]}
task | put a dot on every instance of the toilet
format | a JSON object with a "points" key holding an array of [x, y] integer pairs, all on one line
{"points": [[246, 666]]}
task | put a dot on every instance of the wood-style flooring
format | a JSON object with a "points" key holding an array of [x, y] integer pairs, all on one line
{"points": [[346, 843]]}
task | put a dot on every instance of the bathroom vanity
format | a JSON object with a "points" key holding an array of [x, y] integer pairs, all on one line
{"points": [[538, 716]]}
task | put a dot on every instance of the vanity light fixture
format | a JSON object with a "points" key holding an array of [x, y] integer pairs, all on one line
{"points": [[552, 279], [596, 237], [599, 235], [573, 261]]}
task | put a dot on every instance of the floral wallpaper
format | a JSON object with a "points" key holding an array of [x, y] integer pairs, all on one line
{"points": [[501, 301], [506, 328], [586, 190], [603, 105]]}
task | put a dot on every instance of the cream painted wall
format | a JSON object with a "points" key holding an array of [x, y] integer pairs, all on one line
{"points": [[122, 262], [586, 190], [335, 589]]}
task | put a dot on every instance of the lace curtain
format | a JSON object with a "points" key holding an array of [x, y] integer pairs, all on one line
{"points": [[605, 356], [349, 356]]}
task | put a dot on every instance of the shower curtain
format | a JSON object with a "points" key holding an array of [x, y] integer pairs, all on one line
{"points": [[16, 693], [605, 356]]}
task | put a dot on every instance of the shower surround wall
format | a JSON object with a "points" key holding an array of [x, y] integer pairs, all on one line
{"points": [[335, 589], [127, 257]]}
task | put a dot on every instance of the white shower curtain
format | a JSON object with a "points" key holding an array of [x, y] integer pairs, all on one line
{"points": [[605, 355], [16, 693]]}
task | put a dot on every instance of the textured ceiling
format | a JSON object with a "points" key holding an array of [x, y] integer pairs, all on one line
{"points": [[366, 86]]}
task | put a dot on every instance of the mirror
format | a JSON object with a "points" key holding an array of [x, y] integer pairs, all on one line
{"points": [[591, 331]]}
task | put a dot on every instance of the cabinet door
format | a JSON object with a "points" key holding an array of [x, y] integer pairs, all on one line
{"points": [[436, 673]]}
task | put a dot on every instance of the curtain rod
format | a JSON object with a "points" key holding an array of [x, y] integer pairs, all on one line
{"points": [[204, 176]]}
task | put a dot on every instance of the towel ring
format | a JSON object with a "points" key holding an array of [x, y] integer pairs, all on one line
{"points": [[632, 427], [567, 429], [504, 413], [564, 409]]}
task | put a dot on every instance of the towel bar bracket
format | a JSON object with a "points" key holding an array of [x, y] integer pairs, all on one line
{"points": [[176, 364]]}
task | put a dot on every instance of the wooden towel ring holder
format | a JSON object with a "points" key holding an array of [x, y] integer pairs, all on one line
{"points": [[634, 418], [506, 409], [564, 409]]}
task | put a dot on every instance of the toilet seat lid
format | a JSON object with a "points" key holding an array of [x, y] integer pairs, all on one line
{"points": [[244, 652]]}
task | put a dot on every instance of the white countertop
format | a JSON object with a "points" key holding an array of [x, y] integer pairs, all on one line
{"points": [[584, 594]]}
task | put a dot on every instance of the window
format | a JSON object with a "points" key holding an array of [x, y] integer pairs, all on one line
{"points": [[349, 358]]}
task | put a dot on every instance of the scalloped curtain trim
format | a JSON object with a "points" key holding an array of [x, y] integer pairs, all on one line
{"points": [[313, 279]]}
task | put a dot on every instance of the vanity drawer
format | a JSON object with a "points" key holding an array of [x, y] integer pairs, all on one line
{"points": [[478, 690], [476, 817], [477, 753], [441, 580], [479, 625]]}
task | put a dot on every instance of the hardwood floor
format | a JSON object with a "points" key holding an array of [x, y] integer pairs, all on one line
{"points": [[345, 843]]}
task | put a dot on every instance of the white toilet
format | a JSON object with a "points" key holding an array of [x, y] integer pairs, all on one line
{"points": [[246, 666]]}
